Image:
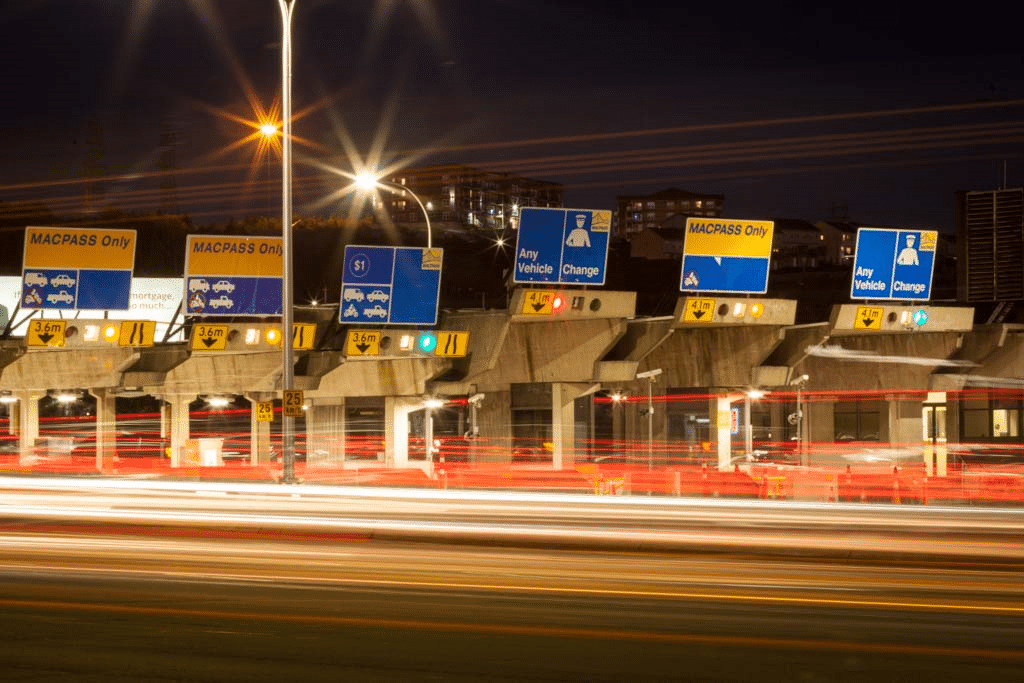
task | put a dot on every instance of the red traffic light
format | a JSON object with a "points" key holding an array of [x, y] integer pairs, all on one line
{"points": [[558, 303]]}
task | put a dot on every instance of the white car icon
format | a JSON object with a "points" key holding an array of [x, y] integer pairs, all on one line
{"points": [[352, 294], [63, 280], [377, 295], [351, 312], [60, 297], [36, 279], [375, 312], [224, 286], [221, 301], [198, 285]]}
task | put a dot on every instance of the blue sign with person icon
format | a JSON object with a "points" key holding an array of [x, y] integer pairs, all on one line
{"points": [[563, 246], [894, 264]]}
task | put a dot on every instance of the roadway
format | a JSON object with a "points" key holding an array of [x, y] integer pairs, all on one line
{"points": [[187, 582]]}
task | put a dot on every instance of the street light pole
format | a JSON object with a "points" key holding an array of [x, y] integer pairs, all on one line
{"points": [[369, 181], [649, 375], [287, 297]]}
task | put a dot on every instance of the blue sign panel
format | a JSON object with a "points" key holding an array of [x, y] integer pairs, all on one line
{"points": [[893, 264], [233, 295], [726, 255], [77, 268], [75, 289], [567, 246], [391, 285]]}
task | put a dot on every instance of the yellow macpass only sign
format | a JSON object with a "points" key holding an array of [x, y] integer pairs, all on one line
{"points": [[227, 255], [45, 332], [868, 318], [699, 310], [538, 302], [729, 237], [87, 248]]}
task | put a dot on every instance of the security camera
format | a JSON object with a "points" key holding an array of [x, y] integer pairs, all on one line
{"points": [[649, 374], [476, 399]]}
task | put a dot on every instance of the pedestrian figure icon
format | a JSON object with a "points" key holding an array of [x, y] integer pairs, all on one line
{"points": [[908, 256]]}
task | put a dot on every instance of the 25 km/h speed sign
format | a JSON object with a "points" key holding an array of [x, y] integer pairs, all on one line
{"points": [[293, 402]]}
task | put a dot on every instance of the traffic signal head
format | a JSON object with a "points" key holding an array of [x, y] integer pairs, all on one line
{"points": [[426, 342], [558, 303]]}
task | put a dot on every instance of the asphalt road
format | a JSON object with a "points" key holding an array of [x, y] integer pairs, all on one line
{"points": [[252, 600]]}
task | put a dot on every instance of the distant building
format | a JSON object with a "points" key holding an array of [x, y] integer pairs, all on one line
{"points": [[467, 197], [840, 239], [990, 238], [636, 213]]}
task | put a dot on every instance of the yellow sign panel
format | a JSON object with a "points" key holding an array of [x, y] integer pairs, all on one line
{"points": [[929, 240], [699, 310], [538, 302], [45, 333], [264, 411], [227, 255], [209, 337], [363, 343], [728, 237], [303, 335], [452, 344], [868, 318], [137, 333], [432, 259], [79, 248], [292, 404], [724, 420]]}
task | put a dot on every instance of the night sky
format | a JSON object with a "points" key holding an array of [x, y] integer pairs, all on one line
{"points": [[779, 110]]}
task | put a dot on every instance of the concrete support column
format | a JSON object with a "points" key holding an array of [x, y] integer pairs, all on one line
{"points": [[27, 410], [259, 432], [106, 429], [180, 430], [723, 422], [396, 428], [563, 421], [493, 441], [325, 431]]}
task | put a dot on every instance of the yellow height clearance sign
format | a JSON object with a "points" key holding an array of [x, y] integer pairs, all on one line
{"points": [[79, 248]]}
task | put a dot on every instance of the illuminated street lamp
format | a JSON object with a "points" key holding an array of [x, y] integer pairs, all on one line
{"points": [[368, 181], [287, 7], [268, 130]]}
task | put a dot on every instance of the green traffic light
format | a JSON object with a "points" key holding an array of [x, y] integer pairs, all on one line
{"points": [[428, 342]]}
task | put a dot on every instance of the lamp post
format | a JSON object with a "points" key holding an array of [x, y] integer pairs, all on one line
{"points": [[369, 181], [649, 376], [287, 7]]}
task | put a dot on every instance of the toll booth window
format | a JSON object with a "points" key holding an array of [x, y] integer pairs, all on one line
{"points": [[858, 420]]}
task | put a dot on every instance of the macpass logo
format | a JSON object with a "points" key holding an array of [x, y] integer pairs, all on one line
{"points": [[715, 228]]}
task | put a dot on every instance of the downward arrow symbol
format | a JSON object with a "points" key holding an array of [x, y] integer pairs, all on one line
{"points": [[867, 321], [362, 347], [698, 314], [209, 341], [537, 307], [46, 338]]}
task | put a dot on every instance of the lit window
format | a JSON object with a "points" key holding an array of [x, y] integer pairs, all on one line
{"points": [[698, 203]]}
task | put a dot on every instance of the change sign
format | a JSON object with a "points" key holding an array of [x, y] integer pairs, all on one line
{"points": [[893, 264], [568, 246], [77, 268]]}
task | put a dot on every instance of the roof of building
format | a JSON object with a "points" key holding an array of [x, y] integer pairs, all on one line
{"points": [[670, 193]]}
